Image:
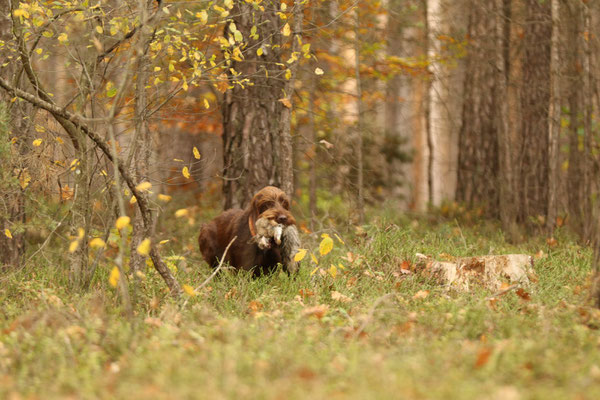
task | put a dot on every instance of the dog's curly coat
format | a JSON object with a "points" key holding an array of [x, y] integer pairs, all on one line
{"points": [[270, 203]]}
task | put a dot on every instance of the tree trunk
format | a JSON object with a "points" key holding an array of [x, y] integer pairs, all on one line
{"points": [[256, 144], [553, 120]]}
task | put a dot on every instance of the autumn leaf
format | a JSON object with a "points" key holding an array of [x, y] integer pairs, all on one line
{"points": [[332, 271], [113, 279], [421, 294], [37, 142], [164, 198], [133, 200], [144, 186], [186, 172], [483, 356], [189, 290], [122, 222], [326, 244], [182, 212], [318, 71], [523, 294], [314, 259], [97, 243], [300, 255], [24, 179], [73, 246], [144, 248], [7, 233], [339, 238], [286, 102], [337, 296], [286, 30], [206, 104], [196, 152], [318, 311], [62, 38]]}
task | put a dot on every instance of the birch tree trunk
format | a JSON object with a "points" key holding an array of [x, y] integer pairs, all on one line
{"points": [[553, 119]]}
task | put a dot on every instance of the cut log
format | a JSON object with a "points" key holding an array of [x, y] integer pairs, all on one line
{"points": [[488, 271]]}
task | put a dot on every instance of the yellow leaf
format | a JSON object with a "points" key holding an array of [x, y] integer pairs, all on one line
{"points": [[333, 271], [300, 255], [80, 233], [184, 85], [206, 104], [186, 172], [189, 290], [37, 142], [97, 243], [339, 238], [24, 179], [113, 279], [133, 200], [63, 37], [288, 74], [196, 152], [73, 246], [286, 102], [144, 247], [259, 51], [286, 31], [165, 198], [144, 186], [326, 244], [99, 29], [122, 222], [39, 128], [163, 241], [341, 266], [314, 259], [7, 233], [314, 271], [318, 71], [182, 212], [203, 15]]}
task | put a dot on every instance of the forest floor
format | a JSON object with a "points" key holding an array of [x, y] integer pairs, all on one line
{"points": [[375, 330]]}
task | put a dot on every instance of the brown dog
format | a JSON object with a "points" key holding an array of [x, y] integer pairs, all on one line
{"points": [[270, 203]]}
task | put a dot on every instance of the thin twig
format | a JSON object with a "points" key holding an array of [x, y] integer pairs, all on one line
{"points": [[371, 312], [197, 290], [500, 293]]}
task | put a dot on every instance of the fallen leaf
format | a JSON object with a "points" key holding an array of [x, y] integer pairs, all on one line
{"points": [[318, 71], [186, 172], [552, 242], [335, 295], [421, 294], [483, 356], [196, 153], [318, 311], [7, 233], [523, 294]]}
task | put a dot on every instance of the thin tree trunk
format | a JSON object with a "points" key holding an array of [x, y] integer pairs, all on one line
{"points": [[360, 197], [553, 120]]}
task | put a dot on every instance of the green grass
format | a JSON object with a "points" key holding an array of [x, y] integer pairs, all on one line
{"points": [[253, 338]]}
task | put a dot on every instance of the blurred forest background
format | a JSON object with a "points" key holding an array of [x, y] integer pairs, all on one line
{"points": [[114, 108]]}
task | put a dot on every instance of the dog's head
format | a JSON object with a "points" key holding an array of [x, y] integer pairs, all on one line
{"points": [[270, 203]]}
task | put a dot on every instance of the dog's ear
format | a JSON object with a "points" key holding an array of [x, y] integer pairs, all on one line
{"points": [[253, 216]]}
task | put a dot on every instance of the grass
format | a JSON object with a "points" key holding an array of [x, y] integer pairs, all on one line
{"points": [[281, 337]]}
